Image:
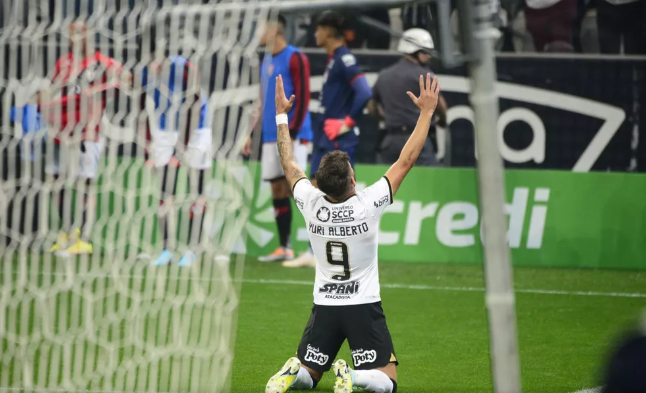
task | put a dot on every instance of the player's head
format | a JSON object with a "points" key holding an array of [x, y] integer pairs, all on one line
{"points": [[275, 28], [329, 26], [77, 32], [413, 43], [335, 176]]}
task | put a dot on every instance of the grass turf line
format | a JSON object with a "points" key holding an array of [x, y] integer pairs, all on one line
{"points": [[440, 335]]}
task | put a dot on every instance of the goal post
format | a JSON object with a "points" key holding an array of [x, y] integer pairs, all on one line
{"points": [[112, 320]]}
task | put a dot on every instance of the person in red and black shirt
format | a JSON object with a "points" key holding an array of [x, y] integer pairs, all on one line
{"points": [[73, 107], [286, 60]]}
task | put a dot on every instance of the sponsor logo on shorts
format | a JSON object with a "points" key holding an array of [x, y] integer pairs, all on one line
{"points": [[359, 356], [323, 214], [340, 291], [381, 202], [315, 356]]}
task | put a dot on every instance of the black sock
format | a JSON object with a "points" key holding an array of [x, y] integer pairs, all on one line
{"points": [[196, 215], [65, 225], [162, 221], [283, 212], [85, 232]]}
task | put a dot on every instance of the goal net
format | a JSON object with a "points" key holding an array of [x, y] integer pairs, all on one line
{"points": [[123, 198]]}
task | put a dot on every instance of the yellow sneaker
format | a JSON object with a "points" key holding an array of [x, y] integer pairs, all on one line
{"points": [[343, 376], [61, 242], [80, 247], [282, 380]]}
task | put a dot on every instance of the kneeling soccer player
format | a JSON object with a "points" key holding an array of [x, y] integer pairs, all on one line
{"points": [[343, 225]]}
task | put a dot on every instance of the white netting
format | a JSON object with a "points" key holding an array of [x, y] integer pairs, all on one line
{"points": [[112, 320]]}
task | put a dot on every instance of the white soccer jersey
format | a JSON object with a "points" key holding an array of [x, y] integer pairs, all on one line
{"points": [[344, 240]]}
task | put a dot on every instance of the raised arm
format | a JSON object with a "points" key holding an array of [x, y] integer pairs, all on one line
{"points": [[292, 171], [426, 102]]}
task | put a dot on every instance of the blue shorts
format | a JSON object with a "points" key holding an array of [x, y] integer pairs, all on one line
{"points": [[318, 153]]}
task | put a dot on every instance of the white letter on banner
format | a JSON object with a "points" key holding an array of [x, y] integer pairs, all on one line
{"points": [[390, 238], [417, 213], [537, 220], [516, 211], [446, 224], [536, 150]]}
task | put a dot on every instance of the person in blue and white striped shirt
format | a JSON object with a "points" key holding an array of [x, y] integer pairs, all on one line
{"points": [[179, 126]]}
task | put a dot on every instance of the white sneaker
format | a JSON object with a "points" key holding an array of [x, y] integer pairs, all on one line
{"points": [[343, 376], [282, 380], [306, 259], [222, 258]]}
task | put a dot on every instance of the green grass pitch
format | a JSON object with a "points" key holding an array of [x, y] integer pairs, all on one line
{"points": [[439, 325], [567, 318]]}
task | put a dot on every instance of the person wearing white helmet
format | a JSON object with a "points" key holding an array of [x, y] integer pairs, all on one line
{"points": [[397, 114]]}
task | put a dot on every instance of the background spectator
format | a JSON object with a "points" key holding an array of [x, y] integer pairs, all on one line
{"points": [[622, 20], [400, 115], [551, 24]]}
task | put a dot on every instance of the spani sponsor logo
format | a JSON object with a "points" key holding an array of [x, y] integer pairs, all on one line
{"points": [[342, 291], [360, 357]]}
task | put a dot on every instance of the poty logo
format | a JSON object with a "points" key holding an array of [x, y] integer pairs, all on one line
{"points": [[360, 357], [313, 355]]}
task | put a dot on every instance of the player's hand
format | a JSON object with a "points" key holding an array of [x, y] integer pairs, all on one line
{"points": [[429, 94], [246, 148], [283, 105], [334, 128]]}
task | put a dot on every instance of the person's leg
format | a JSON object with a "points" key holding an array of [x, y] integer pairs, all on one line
{"points": [[373, 354], [91, 153], [609, 36], [562, 17], [60, 220], [198, 158], [167, 175], [272, 171], [319, 345], [196, 180], [282, 210], [535, 21], [85, 200], [634, 15]]}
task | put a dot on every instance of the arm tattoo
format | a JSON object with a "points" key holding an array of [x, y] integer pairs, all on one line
{"points": [[285, 150]]}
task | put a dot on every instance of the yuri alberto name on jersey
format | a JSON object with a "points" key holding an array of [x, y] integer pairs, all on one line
{"points": [[338, 230]]}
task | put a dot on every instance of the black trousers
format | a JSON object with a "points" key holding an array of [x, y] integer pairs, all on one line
{"points": [[624, 21], [393, 143]]}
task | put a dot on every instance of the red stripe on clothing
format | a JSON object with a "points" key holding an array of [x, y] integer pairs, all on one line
{"points": [[299, 68], [355, 78]]}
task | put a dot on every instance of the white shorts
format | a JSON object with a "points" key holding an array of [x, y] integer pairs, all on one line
{"points": [[199, 151], [270, 162], [74, 161]]}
